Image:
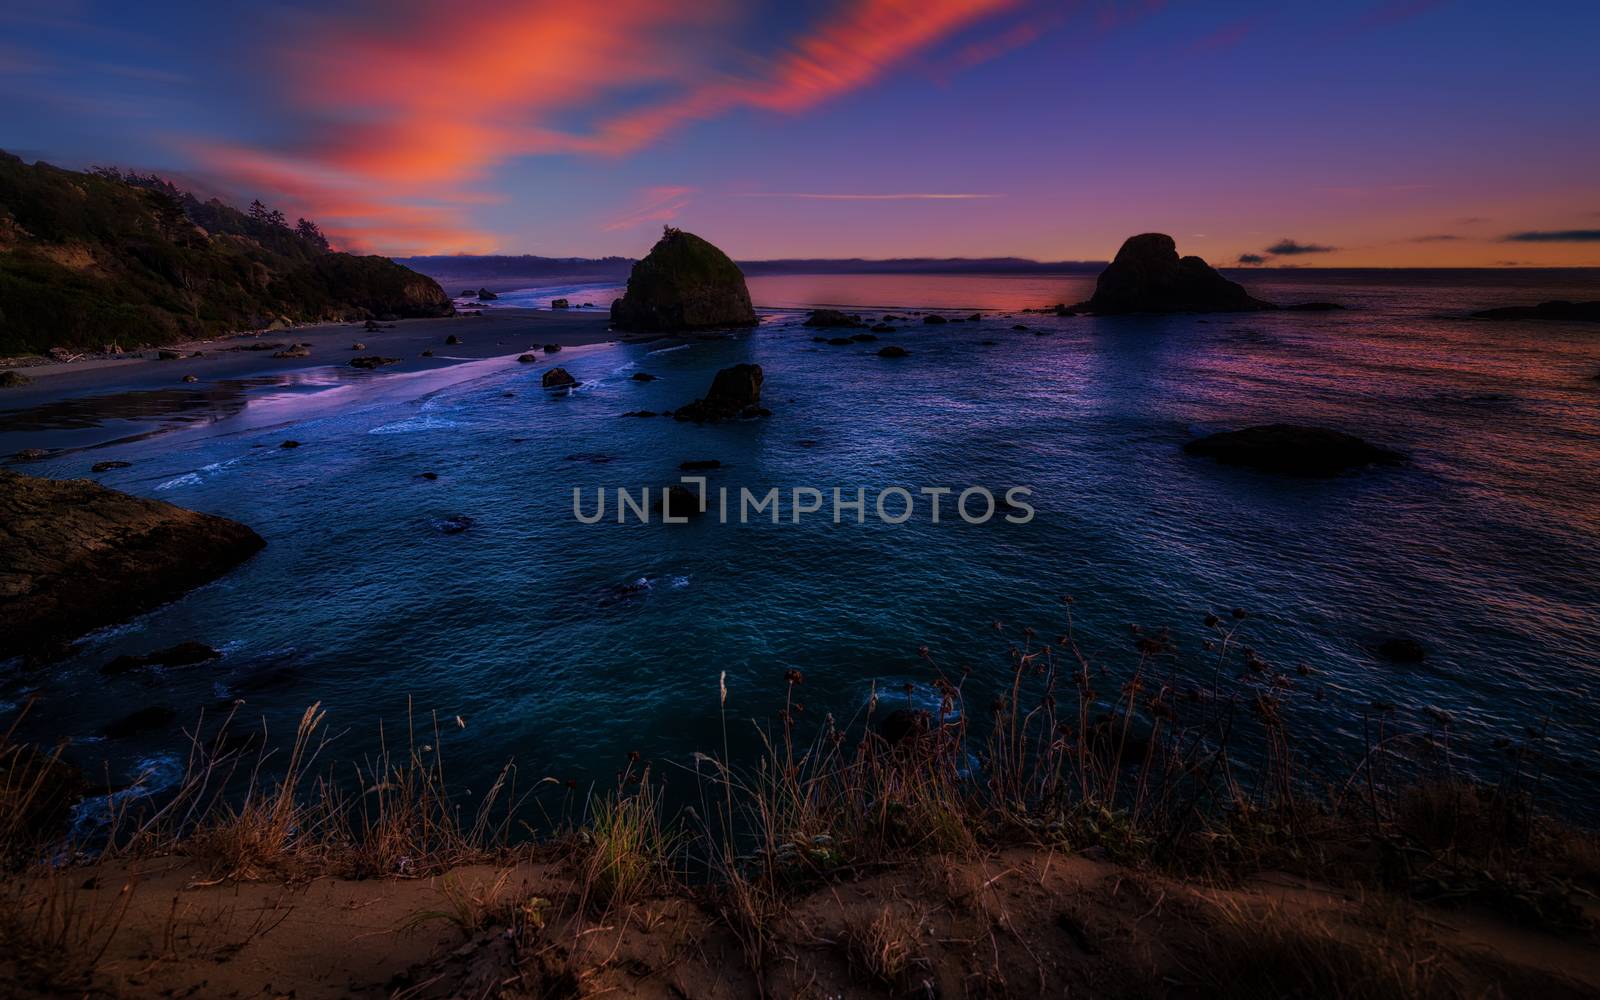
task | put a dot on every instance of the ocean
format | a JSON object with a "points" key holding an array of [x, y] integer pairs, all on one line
{"points": [[564, 646]]}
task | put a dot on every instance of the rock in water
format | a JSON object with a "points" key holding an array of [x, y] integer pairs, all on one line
{"points": [[1572, 312], [558, 378], [893, 351], [75, 556], [372, 361], [13, 380], [1149, 276], [684, 283], [832, 317], [1292, 450], [735, 392]]}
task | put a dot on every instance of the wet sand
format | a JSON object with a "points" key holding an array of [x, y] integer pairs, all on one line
{"points": [[83, 404]]}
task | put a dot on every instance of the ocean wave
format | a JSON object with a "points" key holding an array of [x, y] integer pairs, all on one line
{"points": [[152, 775], [187, 479], [415, 425], [669, 350]]}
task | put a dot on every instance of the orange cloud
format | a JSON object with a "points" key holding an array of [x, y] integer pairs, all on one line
{"points": [[398, 112]]}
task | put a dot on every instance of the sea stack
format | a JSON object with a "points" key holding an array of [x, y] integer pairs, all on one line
{"points": [[1148, 276], [684, 283], [75, 556]]}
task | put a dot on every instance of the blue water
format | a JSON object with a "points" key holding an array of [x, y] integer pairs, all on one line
{"points": [[564, 645]]}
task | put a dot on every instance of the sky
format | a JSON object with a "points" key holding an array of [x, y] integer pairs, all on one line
{"points": [[1360, 133]]}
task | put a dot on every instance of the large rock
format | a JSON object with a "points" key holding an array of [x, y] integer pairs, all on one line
{"points": [[1292, 450], [735, 392], [1570, 312], [1149, 276], [684, 284], [557, 378], [75, 556]]}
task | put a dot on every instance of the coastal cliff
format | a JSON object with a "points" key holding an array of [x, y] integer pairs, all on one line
{"points": [[75, 556], [103, 258]]}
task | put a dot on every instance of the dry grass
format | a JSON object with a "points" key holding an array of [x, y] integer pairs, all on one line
{"points": [[886, 946]]}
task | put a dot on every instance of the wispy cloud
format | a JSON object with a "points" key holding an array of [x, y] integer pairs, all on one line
{"points": [[1292, 248], [1436, 238], [656, 204], [436, 97], [898, 196], [1252, 258], [1554, 236]]}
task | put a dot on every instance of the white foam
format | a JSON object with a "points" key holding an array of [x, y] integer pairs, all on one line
{"points": [[414, 425], [669, 350], [187, 479]]}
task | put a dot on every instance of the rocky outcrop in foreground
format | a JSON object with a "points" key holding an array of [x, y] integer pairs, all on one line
{"points": [[1571, 312], [735, 392], [1292, 450], [1149, 276], [75, 556], [684, 284]]}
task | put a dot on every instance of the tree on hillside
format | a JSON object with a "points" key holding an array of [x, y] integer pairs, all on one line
{"points": [[309, 231], [277, 219], [258, 211]]}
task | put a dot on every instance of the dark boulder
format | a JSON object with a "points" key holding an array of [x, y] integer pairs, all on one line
{"points": [[1561, 311], [468, 294], [290, 444], [145, 720], [371, 361], [484, 295], [832, 318], [108, 466], [293, 351], [552, 348], [1402, 649], [905, 726], [31, 455], [1149, 276], [934, 319], [452, 341], [883, 328], [975, 318], [560, 304], [527, 358], [76, 557], [735, 392], [684, 283], [372, 326], [13, 380], [679, 501], [358, 346], [643, 377], [558, 378], [863, 338], [893, 351], [1292, 450]]}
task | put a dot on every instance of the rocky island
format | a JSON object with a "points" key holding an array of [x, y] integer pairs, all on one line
{"points": [[1148, 276], [684, 283]]}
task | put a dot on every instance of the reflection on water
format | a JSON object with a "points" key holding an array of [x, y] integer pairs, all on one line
{"points": [[564, 645], [202, 404]]}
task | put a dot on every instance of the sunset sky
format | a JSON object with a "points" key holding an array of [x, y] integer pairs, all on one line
{"points": [[1381, 132]]}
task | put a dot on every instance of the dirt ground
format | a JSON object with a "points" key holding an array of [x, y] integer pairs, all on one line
{"points": [[1022, 923]]}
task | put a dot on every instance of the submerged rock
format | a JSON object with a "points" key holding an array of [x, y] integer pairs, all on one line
{"points": [[184, 654], [643, 377], [293, 351], [76, 557], [1149, 276], [1292, 450], [452, 525], [905, 726], [372, 361], [558, 378], [735, 392], [684, 283], [1559, 310], [893, 351], [840, 341], [13, 380], [108, 466], [934, 319], [832, 318], [452, 341]]}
